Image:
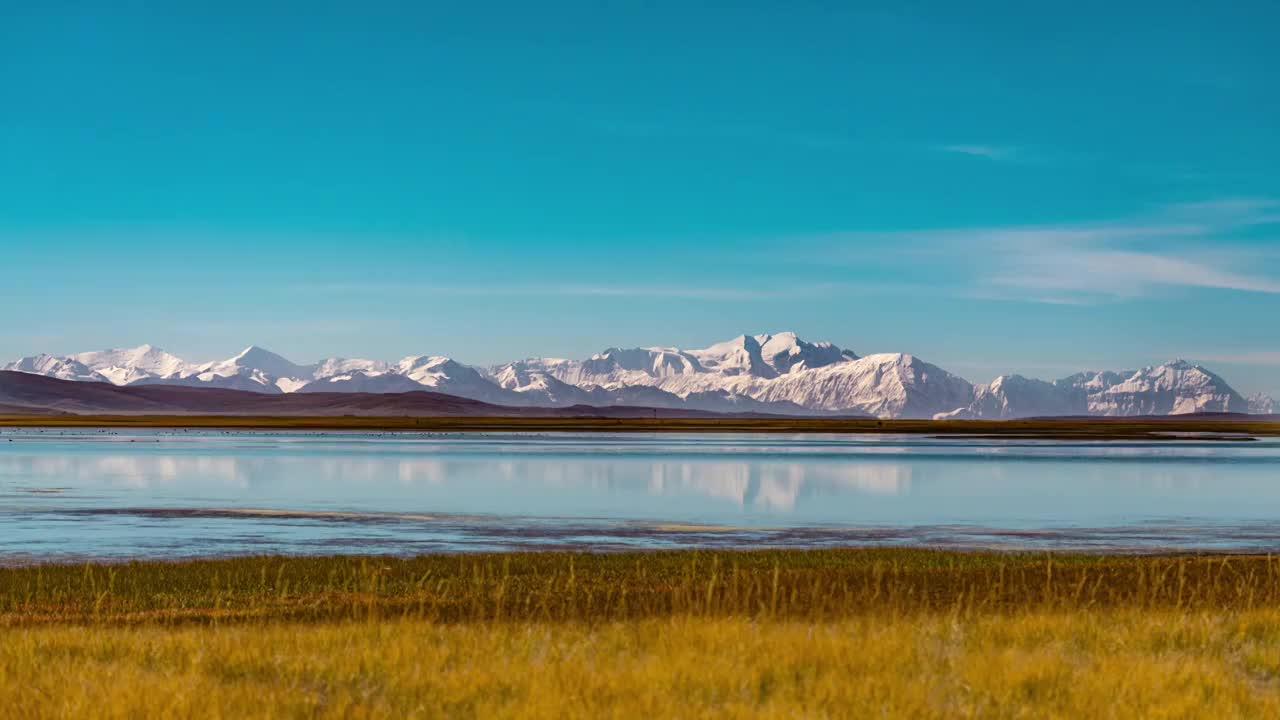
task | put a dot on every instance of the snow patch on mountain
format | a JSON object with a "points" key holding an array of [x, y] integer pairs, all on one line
{"points": [[341, 366], [538, 387], [362, 382], [888, 385], [446, 375], [1262, 404]]}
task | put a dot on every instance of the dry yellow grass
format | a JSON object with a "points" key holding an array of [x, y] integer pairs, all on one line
{"points": [[836, 633], [1103, 664]]}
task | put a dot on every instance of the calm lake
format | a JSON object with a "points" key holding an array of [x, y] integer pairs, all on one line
{"points": [[163, 494]]}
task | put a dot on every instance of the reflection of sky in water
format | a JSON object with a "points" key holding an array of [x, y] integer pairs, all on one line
{"points": [[753, 481]]}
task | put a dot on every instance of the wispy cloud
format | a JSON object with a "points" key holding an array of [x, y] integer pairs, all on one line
{"points": [[990, 152], [1103, 271], [1182, 246], [1193, 245], [1018, 154]]}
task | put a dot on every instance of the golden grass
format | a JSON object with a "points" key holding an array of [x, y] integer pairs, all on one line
{"points": [[833, 633], [1057, 428], [1094, 664]]}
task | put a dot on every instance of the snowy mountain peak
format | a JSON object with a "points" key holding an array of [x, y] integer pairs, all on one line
{"points": [[360, 381], [1014, 396], [785, 352], [258, 358], [654, 361], [888, 359], [768, 355], [123, 366], [770, 373], [883, 385], [341, 366], [63, 368], [426, 364], [1174, 388], [740, 356], [522, 379], [1014, 380], [446, 375]]}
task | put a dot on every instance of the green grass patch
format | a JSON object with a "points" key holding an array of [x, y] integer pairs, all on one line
{"points": [[586, 587]]}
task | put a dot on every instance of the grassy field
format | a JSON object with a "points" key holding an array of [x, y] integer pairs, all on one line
{"points": [[1057, 428], [835, 633]]}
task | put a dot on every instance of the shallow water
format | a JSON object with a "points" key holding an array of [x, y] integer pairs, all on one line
{"points": [[76, 494]]}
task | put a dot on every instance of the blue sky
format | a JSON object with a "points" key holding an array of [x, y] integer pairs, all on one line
{"points": [[993, 187]]}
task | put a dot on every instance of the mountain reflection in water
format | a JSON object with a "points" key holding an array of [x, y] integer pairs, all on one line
{"points": [[155, 493]]}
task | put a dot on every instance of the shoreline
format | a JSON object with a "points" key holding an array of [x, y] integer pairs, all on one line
{"points": [[1144, 429], [79, 563]]}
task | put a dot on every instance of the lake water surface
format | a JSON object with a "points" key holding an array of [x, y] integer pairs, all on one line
{"points": [[82, 494]]}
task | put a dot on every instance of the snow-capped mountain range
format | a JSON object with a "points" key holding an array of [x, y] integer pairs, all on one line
{"points": [[779, 373]]}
